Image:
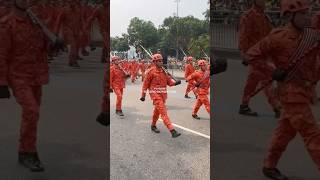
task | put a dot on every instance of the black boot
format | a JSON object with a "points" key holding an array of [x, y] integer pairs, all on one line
{"points": [[186, 96], [119, 113], [155, 129], [104, 118], [31, 161], [274, 174], [195, 116], [174, 133], [277, 113], [245, 110]]}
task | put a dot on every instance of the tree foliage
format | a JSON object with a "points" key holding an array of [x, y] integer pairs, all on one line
{"points": [[187, 33]]}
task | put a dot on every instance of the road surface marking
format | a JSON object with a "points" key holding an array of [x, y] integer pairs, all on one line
{"points": [[190, 130]]}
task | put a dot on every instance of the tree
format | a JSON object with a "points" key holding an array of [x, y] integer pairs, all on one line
{"points": [[180, 31], [198, 45], [143, 32], [120, 43]]}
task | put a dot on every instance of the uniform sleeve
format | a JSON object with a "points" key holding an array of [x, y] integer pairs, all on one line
{"points": [[192, 76], [146, 84], [244, 33], [257, 56], [5, 45], [170, 81]]}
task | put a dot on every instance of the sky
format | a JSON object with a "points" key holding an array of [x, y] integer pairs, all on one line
{"points": [[122, 11]]}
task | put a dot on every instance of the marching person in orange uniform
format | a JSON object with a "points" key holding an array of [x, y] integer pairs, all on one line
{"points": [[249, 35], [69, 19], [24, 69], [156, 82], [117, 82], [101, 13], [134, 69], [296, 71], [86, 11], [142, 68], [189, 69], [202, 82]]}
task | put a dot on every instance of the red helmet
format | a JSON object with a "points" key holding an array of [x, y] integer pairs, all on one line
{"points": [[189, 58], [294, 6], [157, 57], [202, 62], [115, 58]]}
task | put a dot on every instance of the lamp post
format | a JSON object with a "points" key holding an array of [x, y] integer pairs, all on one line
{"points": [[177, 38]]}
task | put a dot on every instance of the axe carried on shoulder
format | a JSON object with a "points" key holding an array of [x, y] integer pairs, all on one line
{"points": [[56, 41]]}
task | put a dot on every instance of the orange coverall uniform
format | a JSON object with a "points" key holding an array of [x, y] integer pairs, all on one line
{"points": [[156, 82], [101, 13], [24, 68], [316, 25], [189, 69], [249, 35], [86, 12], [134, 69], [295, 94], [70, 21], [142, 67], [202, 90], [117, 83]]}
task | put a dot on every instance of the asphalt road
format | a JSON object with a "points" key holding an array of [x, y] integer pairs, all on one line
{"points": [[240, 143], [72, 145], [138, 153]]}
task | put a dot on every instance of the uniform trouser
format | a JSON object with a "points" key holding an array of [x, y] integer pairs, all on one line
{"points": [[161, 110], [119, 93], [133, 76], [105, 102], [29, 98], [201, 100], [74, 52], [254, 79], [190, 87], [104, 55], [296, 118], [143, 76], [314, 94]]}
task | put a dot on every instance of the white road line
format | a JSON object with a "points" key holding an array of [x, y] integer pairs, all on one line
{"points": [[189, 130]]}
